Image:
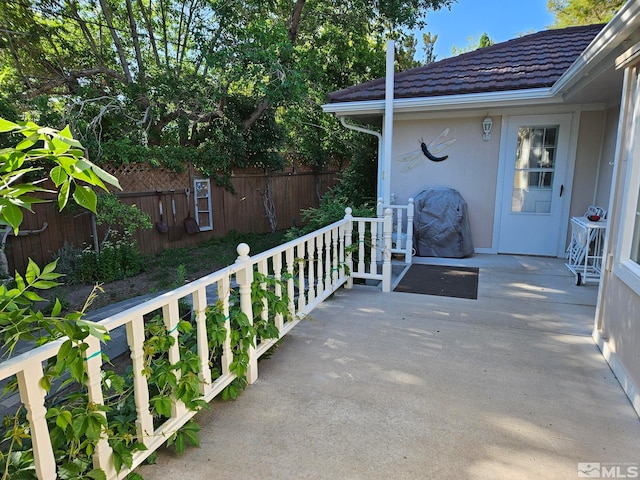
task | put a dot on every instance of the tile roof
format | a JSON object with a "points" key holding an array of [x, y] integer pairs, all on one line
{"points": [[532, 61]]}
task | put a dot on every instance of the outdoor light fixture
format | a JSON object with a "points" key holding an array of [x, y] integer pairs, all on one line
{"points": [[487, 123]]}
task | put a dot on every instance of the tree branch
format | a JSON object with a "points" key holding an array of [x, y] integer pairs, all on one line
{"points": [[257, 113], [294, 21], [106, 10], [71, 79]]}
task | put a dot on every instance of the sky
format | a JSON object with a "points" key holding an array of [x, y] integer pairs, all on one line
{"points": [[501, 19]]}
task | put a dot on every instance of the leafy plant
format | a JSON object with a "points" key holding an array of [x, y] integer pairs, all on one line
{"points": [[121, 220], [79, 426]]}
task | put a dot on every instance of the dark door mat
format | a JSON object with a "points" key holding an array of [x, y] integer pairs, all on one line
{"points": [[444, 281]]}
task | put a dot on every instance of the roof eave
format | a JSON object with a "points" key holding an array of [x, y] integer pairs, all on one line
{"points": [[620, 26], [535, 96]]}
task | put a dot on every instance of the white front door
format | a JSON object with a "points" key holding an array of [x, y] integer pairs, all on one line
{"points": [[534, 187]]}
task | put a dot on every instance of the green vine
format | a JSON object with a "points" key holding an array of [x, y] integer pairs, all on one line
{"points": [[76, 425]]}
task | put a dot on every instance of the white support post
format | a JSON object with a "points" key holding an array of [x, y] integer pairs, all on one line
{"points": [[32, 396], [327, 261], [291, 292], [224, 292], [320, 265], [103, 454], [245, 279], [335, 233], [386, 265], [277, 275], [409, 246], [302, 287], [264, 270], [348, 255], [135, 339], [373, 263], [361, 240], [380, 215], [199, 310], [387, 131], [171, 318], [311, 250]]}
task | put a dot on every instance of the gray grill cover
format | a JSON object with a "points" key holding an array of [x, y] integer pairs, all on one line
{"points": [[441, 224]]}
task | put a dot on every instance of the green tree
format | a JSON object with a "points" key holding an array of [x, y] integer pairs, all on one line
{"points": [[569, 13], [229, 82], [429, 41], [472, 44]]}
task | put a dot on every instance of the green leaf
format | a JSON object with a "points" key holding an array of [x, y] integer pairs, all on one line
{"points": [[85, 197], [94, 427], [59, 146], [33, 271], [65, 350], [7, 126], [57, 308], [63, 419], [44, 284], [32, 296], [163, 406], [58, 175], [27, 143], [106, 176], [12, 215], [97, 474], [63, 195]]}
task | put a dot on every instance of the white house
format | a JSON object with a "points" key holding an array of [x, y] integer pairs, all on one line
{"points": [[562, 107]]}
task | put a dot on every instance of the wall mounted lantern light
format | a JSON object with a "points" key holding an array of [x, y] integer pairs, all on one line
{"points": [[487, 123]]}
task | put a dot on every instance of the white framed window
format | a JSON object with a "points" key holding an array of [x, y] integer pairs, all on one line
{"points": [[627, 264], [202, 199]]}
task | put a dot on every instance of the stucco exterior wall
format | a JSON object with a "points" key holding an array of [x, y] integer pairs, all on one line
{"points": [[617, 326], [603, 189], [588, 150], [471, 168]]}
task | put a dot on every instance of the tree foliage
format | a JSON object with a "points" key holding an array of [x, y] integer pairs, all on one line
{"points": [[225, 82], [472, 44], [569, 13]]}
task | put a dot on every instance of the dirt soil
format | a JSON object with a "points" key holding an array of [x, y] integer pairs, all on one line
{"points": [[74, 297]]}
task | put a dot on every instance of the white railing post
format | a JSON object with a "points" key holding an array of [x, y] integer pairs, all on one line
{"points": [[171, 319], [386, 254], [103, 454], [380, 215], [245, 279], [277, 275], [409, 246], [199, 310], [135, 339], [224, 292], [348, 253], [32, 396]]}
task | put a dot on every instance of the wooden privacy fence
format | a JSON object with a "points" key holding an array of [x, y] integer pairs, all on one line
{"points": [[285, 194]]}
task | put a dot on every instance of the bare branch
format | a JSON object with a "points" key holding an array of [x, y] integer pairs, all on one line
{"points": [[106, 10], [152, 38], [134, 36]]}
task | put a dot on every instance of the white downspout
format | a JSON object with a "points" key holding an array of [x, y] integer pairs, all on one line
{"points": [[387, 131], [378, 135]]}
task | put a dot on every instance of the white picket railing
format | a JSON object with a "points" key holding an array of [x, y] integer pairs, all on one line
{"points": [[402, 220], [310, 268]]}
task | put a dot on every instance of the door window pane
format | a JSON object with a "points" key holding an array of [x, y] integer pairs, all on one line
{"points": [[534, 169], [203, 214]]}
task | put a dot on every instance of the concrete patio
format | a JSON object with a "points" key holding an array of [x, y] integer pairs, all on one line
{"points": [[407, 386]]}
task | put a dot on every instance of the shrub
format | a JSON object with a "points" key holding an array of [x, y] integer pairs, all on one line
{"points": [[115, 261]]}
